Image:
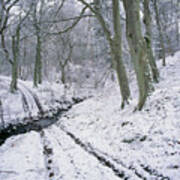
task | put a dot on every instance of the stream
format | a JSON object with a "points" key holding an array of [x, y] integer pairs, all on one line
{"points": [[43, 121]]}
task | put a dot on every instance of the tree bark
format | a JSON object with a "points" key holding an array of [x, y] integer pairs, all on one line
{"points": [[63, 79], [116, 50], [15, 50], [138, 51], [148, 38], [2, 114], [38, 64], [177, 22], [160, 32]]}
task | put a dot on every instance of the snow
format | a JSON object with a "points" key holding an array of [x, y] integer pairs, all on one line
{"points": [[71, 162], [142, 145], [22, 158], [14, 105]]}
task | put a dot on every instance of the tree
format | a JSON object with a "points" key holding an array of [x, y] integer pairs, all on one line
{"points": [[2, 114], [15, 52], [168, 14], [155, 3], [38, 58], [43, 28], [6, 7], [148, 38], [64, 54], [177, 22], [4, 20], [114, 42], [138, 51]]}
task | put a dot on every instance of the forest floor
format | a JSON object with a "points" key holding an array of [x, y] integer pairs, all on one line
{"points": [[96, 140]]}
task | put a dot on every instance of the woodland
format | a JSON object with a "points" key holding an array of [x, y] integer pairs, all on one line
{"points": [[89, 89]]}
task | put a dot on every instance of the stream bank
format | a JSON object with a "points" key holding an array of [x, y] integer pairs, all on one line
{"points": [[43, 120]]}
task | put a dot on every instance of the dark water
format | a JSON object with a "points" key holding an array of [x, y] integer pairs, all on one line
{"points": [[41, 122]]}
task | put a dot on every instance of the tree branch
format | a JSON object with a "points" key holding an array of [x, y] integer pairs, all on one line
{"points": [[5, 49], [72, 26], [100, 19], [60, 7], [66, 19]]}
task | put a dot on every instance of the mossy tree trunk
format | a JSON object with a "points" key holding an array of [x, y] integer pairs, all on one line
{"points": [[63, 78], [65, 56], [148, 38], [138, 50], [38, 64], [160, 32], [116, 49], [37, 15], [2, 114], [15, 51], [177, 22]]}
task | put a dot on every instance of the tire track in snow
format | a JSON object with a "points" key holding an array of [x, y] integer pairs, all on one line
{"points": [[154, 172], [118, 162], [120, 173], [77, 170], [145, 168], [112, 163]]}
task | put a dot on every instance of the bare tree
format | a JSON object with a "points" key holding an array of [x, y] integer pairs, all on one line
{"points": [[64, 55], [5, 16], [148, 38], [138, 51], [159, 26], [114, 44]]}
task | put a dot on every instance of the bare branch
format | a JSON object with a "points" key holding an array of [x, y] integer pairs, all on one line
{"points": [[100, 19], [66, 19], [72, 26], [6, 10], [10, 6], [6, 52], [60, 7]]}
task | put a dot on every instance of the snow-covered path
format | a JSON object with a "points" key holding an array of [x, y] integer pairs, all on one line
{"points": [[96, 140]]}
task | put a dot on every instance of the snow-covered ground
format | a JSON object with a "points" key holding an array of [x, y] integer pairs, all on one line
{"points": [[28, 102], [96, 140]]}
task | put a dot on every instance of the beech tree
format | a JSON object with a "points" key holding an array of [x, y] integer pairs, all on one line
{"points": [[64, 54], [37, 18], [159, 26], [115, 45], [138, 49], [148, 39]]}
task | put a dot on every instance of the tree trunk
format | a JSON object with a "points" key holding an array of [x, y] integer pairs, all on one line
{"points": [[13, 86], [160, 32], [177, 22], [137, 48], [38, 64], [148, 38], [177, 33], [15, 50], [63, 79], [116, 50], [2, 114]]}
